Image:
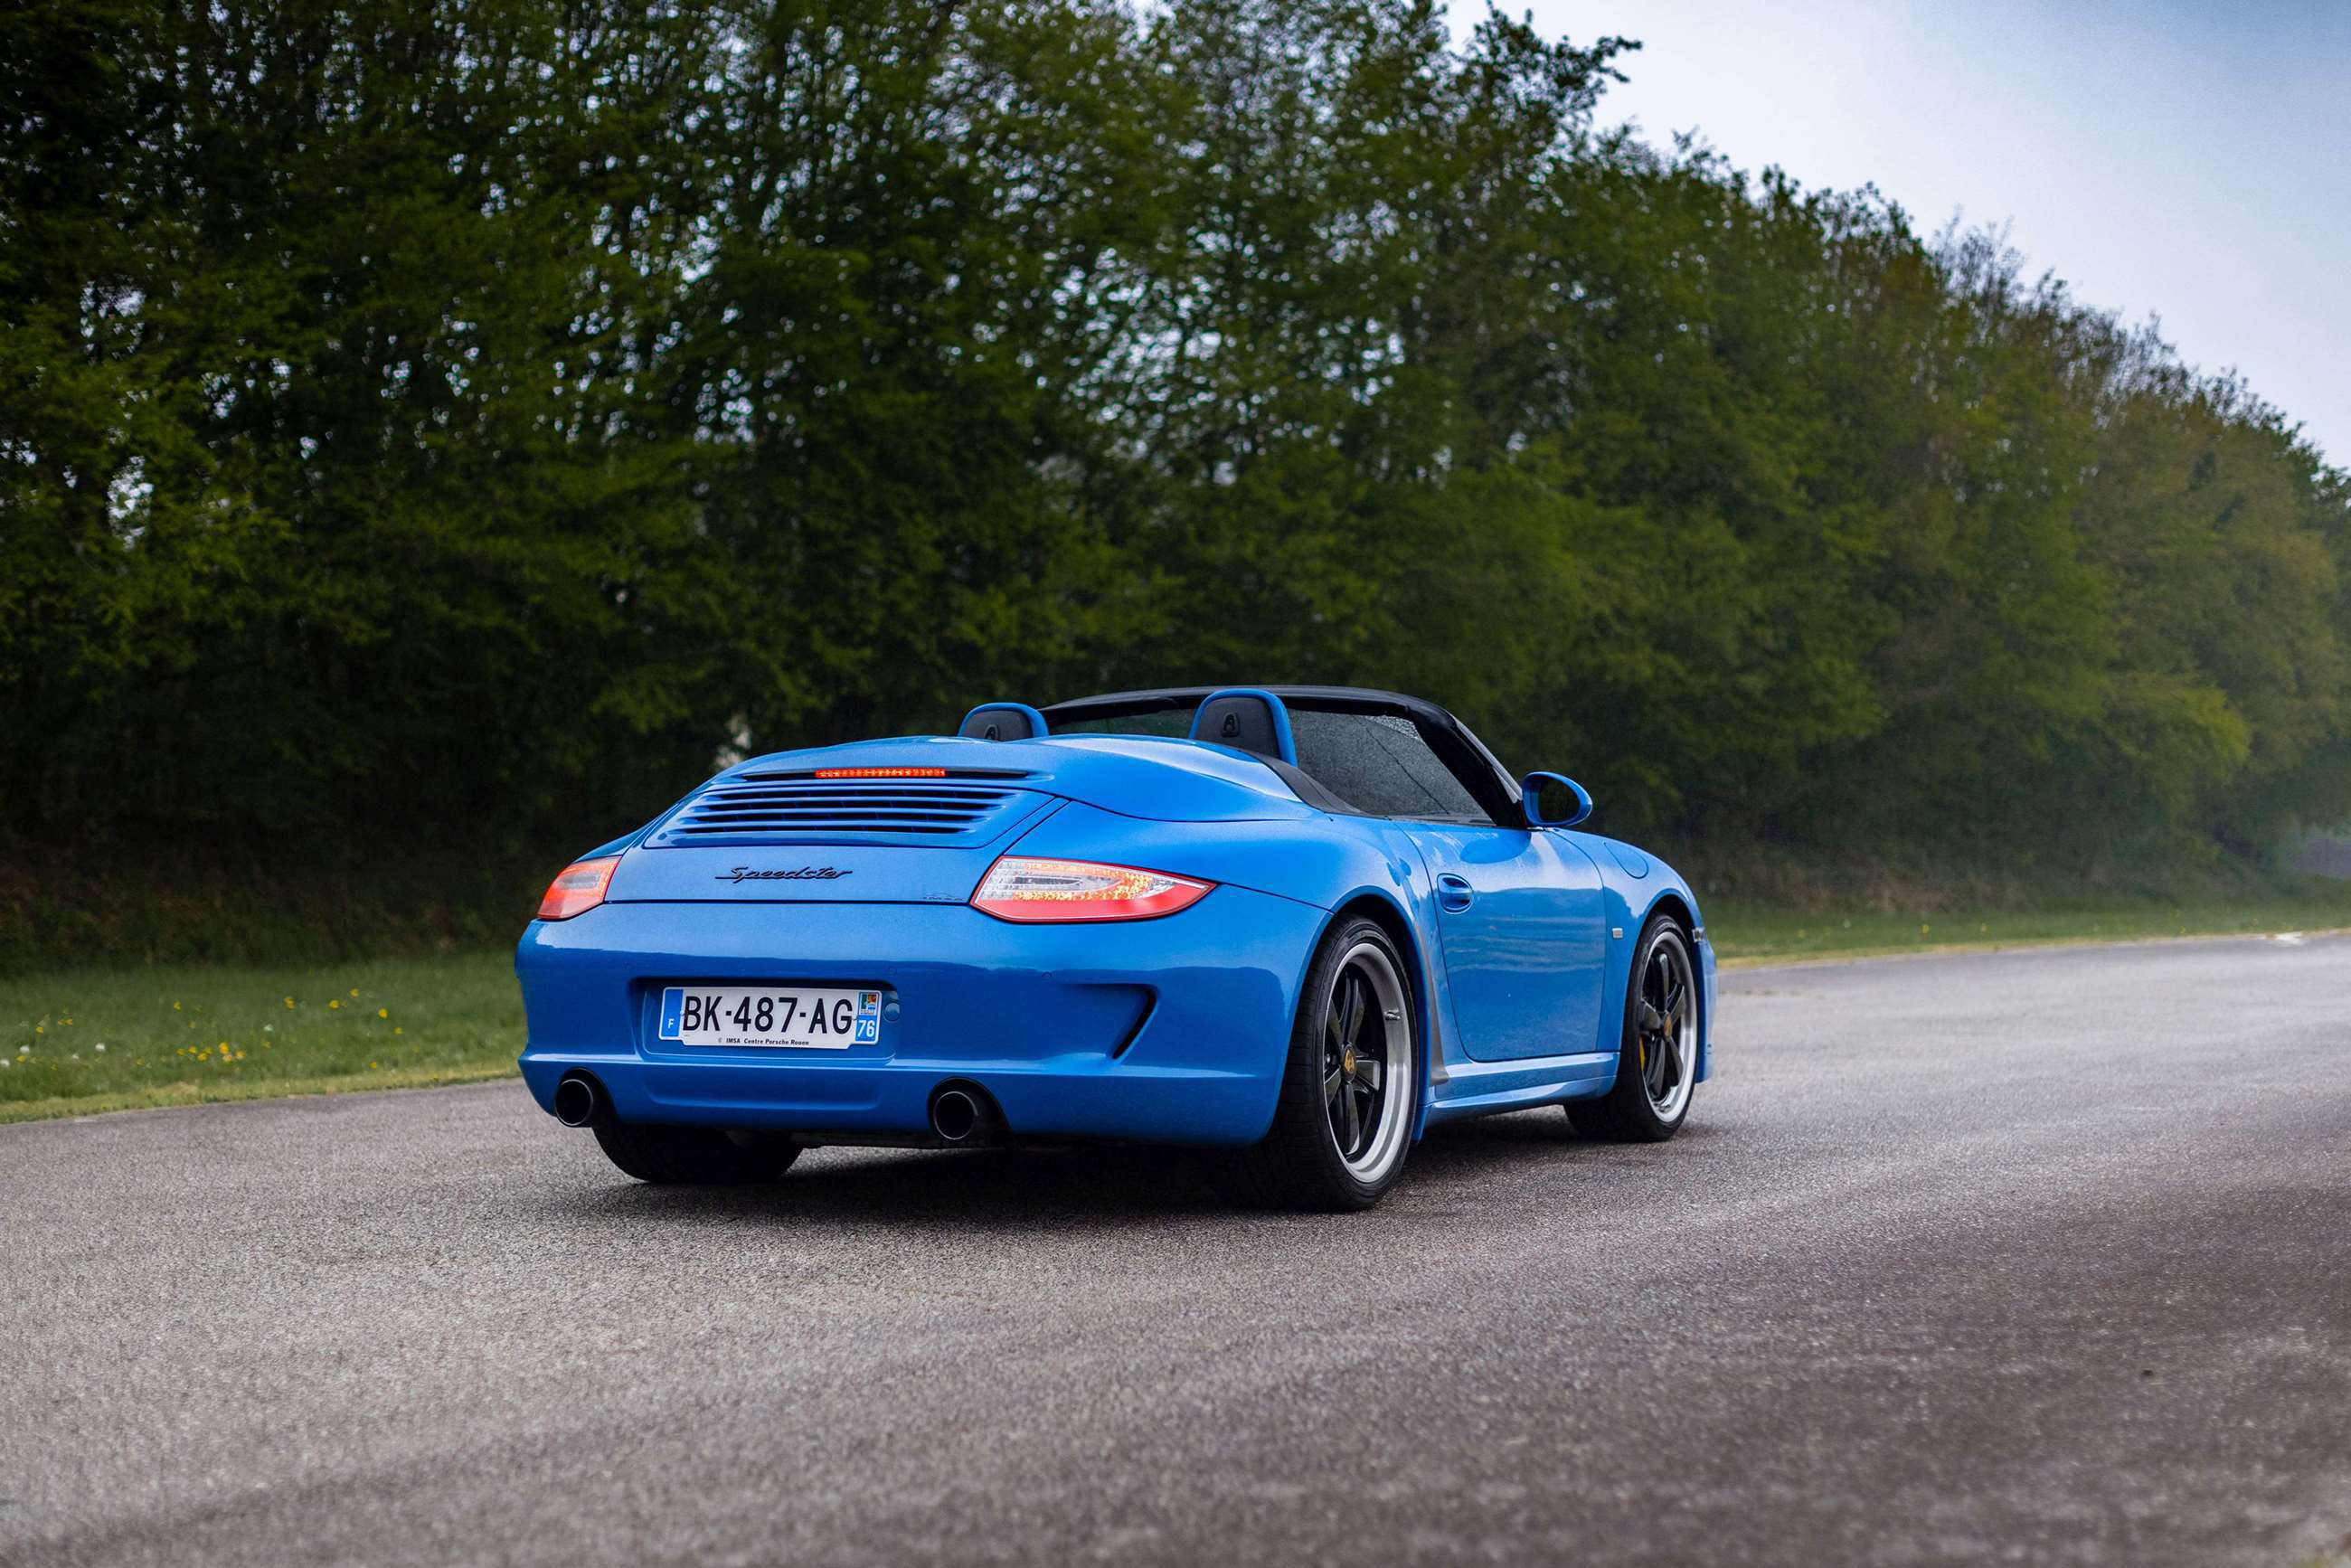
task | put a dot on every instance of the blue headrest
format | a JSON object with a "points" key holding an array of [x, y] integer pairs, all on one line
{"points": [[1002, 721], [1248, 720]]}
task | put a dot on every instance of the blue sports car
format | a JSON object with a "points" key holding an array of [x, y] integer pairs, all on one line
{"points": [[1301, 923]]}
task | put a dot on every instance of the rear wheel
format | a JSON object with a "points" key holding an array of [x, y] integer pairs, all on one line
{"points": [[694, 1156], [1342, 1125], [1657, 1071]]}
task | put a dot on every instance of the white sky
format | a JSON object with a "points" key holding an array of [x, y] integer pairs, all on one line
{"points": [[2188, 159]]}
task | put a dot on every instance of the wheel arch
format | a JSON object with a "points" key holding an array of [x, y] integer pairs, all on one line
{"points": [[1671, 902]]}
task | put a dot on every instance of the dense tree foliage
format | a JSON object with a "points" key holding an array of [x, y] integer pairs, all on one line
{"points": [[462, 419]]}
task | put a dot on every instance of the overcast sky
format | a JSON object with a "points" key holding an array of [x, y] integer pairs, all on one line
{"points": [[2185, 159]]}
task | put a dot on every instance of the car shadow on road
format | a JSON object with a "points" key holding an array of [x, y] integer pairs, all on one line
{"points": [[1024, 1187]]}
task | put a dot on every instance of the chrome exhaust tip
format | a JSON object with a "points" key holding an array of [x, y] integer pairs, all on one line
{"points": [[577, 1103]]}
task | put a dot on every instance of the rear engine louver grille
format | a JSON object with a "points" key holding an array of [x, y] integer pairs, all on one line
{"points": [[809, 811]]}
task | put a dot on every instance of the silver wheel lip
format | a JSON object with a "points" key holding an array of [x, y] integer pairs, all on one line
{"points": [[1395, 1068], [1675, 951]]}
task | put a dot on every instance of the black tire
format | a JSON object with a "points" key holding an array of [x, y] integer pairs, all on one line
{"points": [[1300, 1163], [1630, 1112], [694, 1156]]}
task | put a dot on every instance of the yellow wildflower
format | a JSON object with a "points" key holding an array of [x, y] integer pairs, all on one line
{"points": [[355, 990], [334, 1004], [383, 1012]]}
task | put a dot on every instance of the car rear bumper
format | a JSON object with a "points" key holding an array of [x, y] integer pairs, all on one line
{"points": [[1171, 1030]]}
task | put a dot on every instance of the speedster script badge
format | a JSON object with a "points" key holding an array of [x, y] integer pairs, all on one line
{"points": [[800, 873]]}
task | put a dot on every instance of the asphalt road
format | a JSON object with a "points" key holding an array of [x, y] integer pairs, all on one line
{"points": [[2037, 1258]]}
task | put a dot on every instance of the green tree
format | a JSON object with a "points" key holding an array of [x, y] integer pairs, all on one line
{"points": [[453, 422]]}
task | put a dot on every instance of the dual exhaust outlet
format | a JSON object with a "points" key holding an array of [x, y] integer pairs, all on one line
{"points": [[960, 1112], [964, 1113]]}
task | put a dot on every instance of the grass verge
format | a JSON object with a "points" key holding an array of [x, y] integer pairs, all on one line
{"points": [[1747, 933], [93, 1040], [82, 1041]]}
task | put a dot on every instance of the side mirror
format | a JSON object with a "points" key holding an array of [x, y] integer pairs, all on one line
{"points": [[1553, 800]]}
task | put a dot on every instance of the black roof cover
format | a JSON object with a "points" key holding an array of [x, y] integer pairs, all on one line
{"points": [[1491, 782]]}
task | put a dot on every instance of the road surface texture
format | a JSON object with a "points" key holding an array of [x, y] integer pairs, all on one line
{"points": [[2034, 1257]]}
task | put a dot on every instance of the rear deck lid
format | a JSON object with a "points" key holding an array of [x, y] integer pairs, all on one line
{"points": [[920, 820]]}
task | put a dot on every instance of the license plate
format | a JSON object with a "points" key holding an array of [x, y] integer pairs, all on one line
{"points": [[798, 1019]]}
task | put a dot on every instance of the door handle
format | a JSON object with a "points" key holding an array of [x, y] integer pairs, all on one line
{"points": [[1454, 892]]}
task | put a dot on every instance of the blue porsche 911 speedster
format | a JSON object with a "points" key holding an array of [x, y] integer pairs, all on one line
{"points": [[1301, 923]]}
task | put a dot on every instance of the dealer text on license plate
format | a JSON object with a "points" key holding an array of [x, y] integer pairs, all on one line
{"points": [[793, 1017]]}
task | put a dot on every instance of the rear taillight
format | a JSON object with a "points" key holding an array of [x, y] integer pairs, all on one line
{"points": [[1019, 887], [577, 888]]}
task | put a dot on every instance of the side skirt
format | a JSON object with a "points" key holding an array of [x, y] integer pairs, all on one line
{"points": [[1482, 1088]]}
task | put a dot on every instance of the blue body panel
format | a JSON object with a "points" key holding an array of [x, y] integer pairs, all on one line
{"points": [[1521, 913], [1171, 1030]]}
